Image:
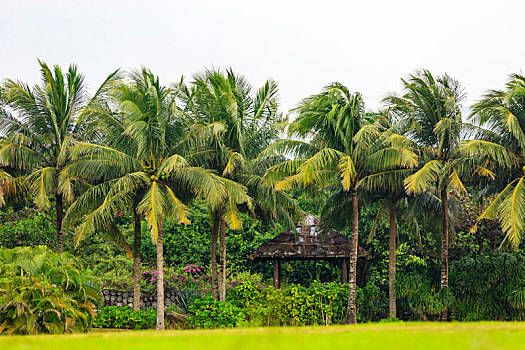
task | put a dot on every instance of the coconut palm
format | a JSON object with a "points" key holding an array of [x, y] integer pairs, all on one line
{"points": [[145, 166], [502, 142], [336, 146], [397, 206], [39, 135], [227, 98], [388, 185], [431, 107]]}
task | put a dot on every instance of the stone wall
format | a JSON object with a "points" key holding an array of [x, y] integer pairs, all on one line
{"points": [[113, 297]]}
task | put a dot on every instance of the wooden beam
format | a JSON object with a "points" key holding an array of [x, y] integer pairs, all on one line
{"points": [[344, 270], [276, 273]]}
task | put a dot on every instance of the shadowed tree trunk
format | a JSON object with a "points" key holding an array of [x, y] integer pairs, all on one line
{"points": [[444, 246], [352, 309], [160, 278], [60, 218], [137, 273], [392, 312], [214, 236], [222, 254]]}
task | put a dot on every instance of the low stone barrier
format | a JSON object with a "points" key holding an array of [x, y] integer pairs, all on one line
{"points": [[119, 298]]}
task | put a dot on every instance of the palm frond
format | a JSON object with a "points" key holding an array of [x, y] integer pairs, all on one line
{"points": [[423, 178], [153, 207]]}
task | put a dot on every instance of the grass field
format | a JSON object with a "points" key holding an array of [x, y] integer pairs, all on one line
{"points": [[369, 336]]}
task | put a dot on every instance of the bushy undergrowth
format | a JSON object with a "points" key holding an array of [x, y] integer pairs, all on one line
{"points": [[208, 313], [489, 287], [114, 269], [481, 287], [125, 318], [44, 292], [321, 303], [24, 227]]}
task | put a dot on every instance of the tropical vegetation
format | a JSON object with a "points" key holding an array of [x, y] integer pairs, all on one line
{"points": [[212, 168]]}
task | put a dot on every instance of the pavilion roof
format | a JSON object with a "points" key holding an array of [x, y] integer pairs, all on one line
{"points": [[308, 242]]}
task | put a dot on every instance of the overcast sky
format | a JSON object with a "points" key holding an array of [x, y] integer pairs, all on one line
{"points": [[367, 44]]}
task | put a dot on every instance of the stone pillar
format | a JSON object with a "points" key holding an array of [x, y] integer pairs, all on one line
{"points": [[276, 273]]}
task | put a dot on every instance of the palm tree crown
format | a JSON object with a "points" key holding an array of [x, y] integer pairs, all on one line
{"points": [[431, 108], [38, 137], [502, 113]]}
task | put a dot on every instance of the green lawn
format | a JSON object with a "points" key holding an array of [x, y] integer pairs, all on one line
{"points": [[370, 336]]}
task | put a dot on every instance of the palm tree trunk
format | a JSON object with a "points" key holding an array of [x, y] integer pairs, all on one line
{"points": [[137, 273], [60, 218], [160, 278], [222, 255], [444, 246], [392, 260], [354, 241], [214, 237]]}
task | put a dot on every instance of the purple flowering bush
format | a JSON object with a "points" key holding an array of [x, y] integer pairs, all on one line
{"points": [[194, 270], [191, 277]]}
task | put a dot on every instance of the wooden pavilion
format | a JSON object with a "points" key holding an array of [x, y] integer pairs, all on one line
{"points": [[309, 242]]}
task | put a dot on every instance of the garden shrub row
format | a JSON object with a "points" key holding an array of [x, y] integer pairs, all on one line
{"points": [[125, 318]]}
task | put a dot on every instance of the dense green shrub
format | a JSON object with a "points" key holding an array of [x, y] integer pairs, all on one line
{"points": [[424, 299], [489, 287], [44, 292], [125, 318], [481, 287], [107, 262], [208, 313], [26, 227], [321, 303]]}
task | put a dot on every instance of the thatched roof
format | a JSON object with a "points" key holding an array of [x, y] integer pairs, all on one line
{"points": [[306, 243]]}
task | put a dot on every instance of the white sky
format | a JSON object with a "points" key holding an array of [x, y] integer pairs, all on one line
{"points": [[366, 44]]}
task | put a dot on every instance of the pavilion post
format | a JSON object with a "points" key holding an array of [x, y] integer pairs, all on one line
{"points": [[344, 270], [276, 273]]}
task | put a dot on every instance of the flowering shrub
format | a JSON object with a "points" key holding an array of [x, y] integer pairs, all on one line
{"points": [[192, 277], [194, 270]]}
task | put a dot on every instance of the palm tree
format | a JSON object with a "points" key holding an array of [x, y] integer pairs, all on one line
{"points": [[502, 143], [335, 146], [431, 107], [249, 120], [396, 205], [388, 185], [38, 138], [146, 165]]}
